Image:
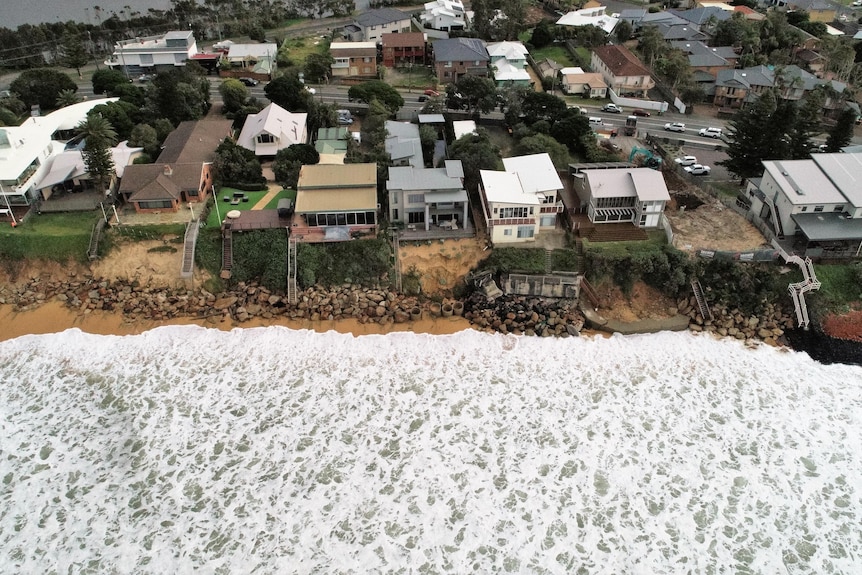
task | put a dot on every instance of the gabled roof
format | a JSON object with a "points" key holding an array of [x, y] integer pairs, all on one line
{"points": [[289, 128], [337, 187], [506, 71], [507, 50], [403, 39], [687, 31], [253, 51], [802, 182], [412, 178], [380, 16], [589, 17], [194, 141], [460, 49], [536, 171], [403, 142], [845, 172], [620, 61], [142, 182], [645, 184]]}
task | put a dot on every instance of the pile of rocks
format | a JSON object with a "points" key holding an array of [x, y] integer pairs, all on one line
{"points": [[524, 315], [769, 326]]}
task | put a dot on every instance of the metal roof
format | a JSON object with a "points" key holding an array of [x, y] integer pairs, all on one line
{"points": [[828, 227], [845, 171], [537, 172], [802, 183]]}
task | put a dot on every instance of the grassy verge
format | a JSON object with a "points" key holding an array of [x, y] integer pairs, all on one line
{"points": [[841, 284], [55, 237], [215, 216]]}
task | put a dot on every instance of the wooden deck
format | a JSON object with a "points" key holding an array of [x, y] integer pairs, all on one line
{"points": [[258, 220]]}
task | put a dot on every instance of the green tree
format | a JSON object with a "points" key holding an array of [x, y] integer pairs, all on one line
{"points": [[541, 143], [74, 53], [289, 93], [840, 56], [753, 136], [377, 90], [651, 45], [130, 93], [122, 116], [807, 124], [374, 124], [737, 31], [623, 31], [42, 87], [236, 165], [476, 152], [288, 162], [572, 129], [180, 94], [428, 139], [473, 94], [317, 67], [67, 98], [537, 106], [544, 34], [841, 133], [106, 79], [234, 95], [673, 66], [99, 137], [145, 136]]}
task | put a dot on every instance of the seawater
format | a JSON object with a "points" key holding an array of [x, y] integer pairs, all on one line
{"points": [[186, 450]]}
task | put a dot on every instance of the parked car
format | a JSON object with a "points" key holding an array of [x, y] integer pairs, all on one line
{"points": [[686, 160], [345, 118], [612, 108], [580, 109], [818, 149], [675, 127], [596, 121], [710, 132], [698, 170], [423, 98], [639, 112], [311, 91], [145, 78], [433, 93], [249, 81], [856, 3]]}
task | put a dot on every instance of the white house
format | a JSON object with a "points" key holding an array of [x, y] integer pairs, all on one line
{"points": [[635, 195], [26, 151], [587, 84], [153, 53], [272, 129], [425, 197], [589, 17], [445, 15], [509, 63], [520, 201], [370, 26], [818, 202], [258, 58], [68, 170]]}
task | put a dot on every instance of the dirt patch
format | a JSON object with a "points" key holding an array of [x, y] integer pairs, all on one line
{"points": [[149, 262], [846, 326], [441, 266], [700, 221], [645, 302]]}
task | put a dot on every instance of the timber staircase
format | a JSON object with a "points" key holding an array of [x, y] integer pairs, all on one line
{"points": [[702, 306], [549, 260], [291, 271], [586, 290], [226, 254], [579, 255], [95, 237], [189, 243], [799, 289]]}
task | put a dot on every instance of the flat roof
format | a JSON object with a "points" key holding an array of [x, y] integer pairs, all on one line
{"points": [[505, 188], [828, 227], [845, 171], [803, 183]]}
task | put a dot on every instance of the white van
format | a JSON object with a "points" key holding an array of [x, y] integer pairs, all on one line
{"points": [[596, 121]]}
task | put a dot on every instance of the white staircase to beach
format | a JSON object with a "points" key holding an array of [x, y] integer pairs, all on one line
{"points": [[799, 289]]}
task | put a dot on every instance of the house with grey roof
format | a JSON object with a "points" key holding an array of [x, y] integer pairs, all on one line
{"points": [[370, 26], [622, 195], [687, 31], [703, 15], [428, 198], [456, 57], [403, 144], [817, 203], [710, 59]]}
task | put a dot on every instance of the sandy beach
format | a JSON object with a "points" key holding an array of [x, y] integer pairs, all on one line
{"points": [[54, 316]]}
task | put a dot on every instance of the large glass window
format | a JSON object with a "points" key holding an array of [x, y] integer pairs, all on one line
{"points": [[514, 212], [415, 198], [415, 217], [526, 231]]}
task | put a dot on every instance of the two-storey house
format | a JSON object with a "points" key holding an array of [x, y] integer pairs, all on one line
{"points": [[335, 202], [817, 202], [509, 64], [426, 197], [444, 15], [456, 57], [622, 71], [153, 53], [370, 26], [273, 129], [406, 48], [354, 59], [587, 84], [622, 195]]}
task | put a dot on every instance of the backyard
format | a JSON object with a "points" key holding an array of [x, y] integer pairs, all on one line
{"points": [[216, 215]]}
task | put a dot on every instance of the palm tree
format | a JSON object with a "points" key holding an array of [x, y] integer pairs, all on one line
{"points": [[67, 98], [99, 137]]}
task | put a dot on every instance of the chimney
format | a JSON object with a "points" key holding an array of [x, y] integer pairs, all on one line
{"points": [[168, 171]]}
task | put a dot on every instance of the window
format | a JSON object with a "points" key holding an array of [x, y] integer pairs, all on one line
{"points": [[507, 232], [366, 59], [415, 198], [146, 59], [447, 74], [526, 232], [394, 217], [449, 64], [549, 199], [838, 209], [804, 209], [514, 212], [155, 204], [265, 138], [415, 217], [394, 198], [818, 208]]}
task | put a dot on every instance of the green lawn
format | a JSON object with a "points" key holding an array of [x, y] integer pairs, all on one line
{"points": [[840, 284], [225, 207], [58, 237], [555, 52], [298, 49]]}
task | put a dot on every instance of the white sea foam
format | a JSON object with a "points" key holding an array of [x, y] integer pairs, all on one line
{"points": [[184, 450]]}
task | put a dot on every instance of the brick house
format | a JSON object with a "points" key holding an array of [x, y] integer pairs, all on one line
{"points": [[456, 57], [354, 59], [403, 48]]}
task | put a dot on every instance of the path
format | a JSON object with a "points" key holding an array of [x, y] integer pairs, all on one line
{"points": [[261, 204]]}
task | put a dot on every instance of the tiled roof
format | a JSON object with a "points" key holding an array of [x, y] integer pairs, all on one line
{"points": [[460, 49], [620, 61], [380, 17], [403, 40]]}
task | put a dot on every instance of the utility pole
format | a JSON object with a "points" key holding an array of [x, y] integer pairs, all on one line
{"points": [[92, 52]]}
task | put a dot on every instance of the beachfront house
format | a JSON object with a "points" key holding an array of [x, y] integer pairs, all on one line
{"points": [[622, 195], [336, 203], [273, 129], [815, 204], [421, 198], [183, 172]]}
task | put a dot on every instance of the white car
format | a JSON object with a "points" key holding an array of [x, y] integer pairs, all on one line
{"points": [[612, 108], [686, 160], [710, 132], [698, 170], [675, 127]]}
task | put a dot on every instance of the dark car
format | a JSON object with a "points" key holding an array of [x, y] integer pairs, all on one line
{"points": [[423, 98], [639, 112], [249, 81]]}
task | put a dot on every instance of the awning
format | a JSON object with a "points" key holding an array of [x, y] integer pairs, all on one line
{"points": [[337, 233], [56, 176], [445, 197], [823, 227]]}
